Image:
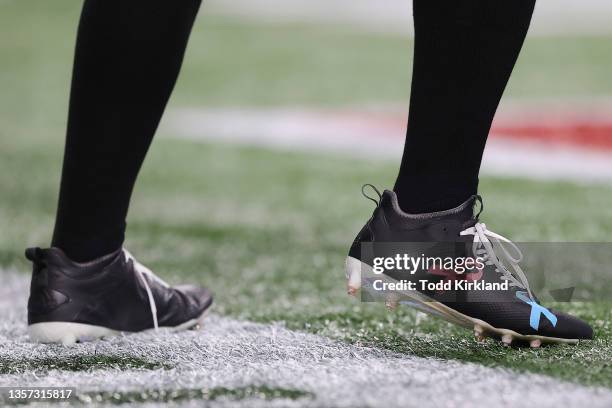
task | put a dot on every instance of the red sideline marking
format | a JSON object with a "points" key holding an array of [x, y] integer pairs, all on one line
{"points": [[552, 129], [576, 133]]}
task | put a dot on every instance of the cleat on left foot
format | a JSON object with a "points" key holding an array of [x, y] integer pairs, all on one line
{"points": [[115, 294]]}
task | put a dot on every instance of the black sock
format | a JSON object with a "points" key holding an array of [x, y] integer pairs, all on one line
{"points": [[464, 53], [128, 56]]}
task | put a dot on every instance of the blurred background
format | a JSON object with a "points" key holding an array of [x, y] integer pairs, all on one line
{"points": [[284, 108], [284, 102]]}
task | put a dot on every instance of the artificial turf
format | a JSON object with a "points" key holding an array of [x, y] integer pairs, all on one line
{"points": [[268, 231]]}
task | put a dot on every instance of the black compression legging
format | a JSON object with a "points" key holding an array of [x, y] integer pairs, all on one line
{"points": [[464, 53], [128, 56]]}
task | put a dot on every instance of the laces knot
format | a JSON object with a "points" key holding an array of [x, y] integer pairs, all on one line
{"points": [[485, 243]]}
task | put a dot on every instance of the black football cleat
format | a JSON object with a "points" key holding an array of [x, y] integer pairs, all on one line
{"points": [[72, 302], [493, 299]]}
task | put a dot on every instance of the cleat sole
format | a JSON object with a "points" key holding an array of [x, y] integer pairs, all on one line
{"points": [[67, 333], [355, 268]]}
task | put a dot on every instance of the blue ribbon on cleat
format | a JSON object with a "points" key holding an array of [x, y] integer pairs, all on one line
{"points": [[536, 311]]}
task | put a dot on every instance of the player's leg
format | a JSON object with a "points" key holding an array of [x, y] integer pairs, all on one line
{"points": [[464, 53], [128, 56]]}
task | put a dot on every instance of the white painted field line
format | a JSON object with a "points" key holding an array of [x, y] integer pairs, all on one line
{"points": [[372, 135], [232, 353], [551, 17]]}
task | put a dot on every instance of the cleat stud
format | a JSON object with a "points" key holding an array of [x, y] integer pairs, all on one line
{"points": [[352, 291], [392, 301], [480, 338], [391, 305], [535, 343], [507, 339]]}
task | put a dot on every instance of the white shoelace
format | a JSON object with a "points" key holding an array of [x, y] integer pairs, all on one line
{"points": [[483, 246], [142, 270]]}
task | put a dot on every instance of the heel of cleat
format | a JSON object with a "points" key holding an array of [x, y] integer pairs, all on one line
{"points": [[353, 275]]}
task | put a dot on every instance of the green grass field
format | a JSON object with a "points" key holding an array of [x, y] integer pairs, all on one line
{"points": [[266, 230]]}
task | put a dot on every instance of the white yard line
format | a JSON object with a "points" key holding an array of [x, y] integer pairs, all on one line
{"points": [[551, 17], [376, 135], [232, 353]]}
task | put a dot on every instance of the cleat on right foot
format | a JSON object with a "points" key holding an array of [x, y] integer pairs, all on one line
{"points": [[458, 232]]}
